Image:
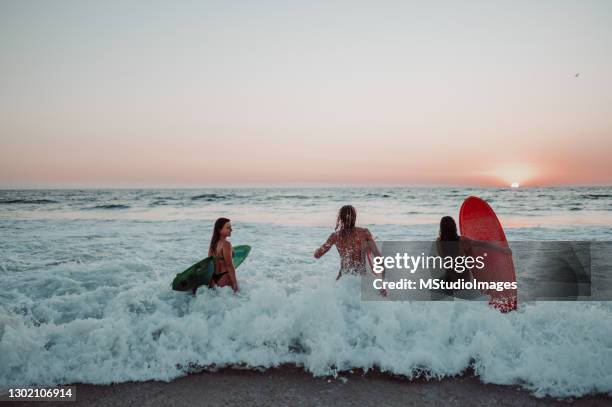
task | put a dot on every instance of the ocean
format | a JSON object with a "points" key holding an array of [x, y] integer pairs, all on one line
{"points": [[86, 297]]}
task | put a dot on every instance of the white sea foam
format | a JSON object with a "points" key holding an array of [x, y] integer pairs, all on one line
{"points": [[89, 301]]}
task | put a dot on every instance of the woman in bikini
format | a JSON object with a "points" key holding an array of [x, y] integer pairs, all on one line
{"points": [[352, 242], [221, 249]]}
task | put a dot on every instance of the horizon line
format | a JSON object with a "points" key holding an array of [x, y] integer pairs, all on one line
{"points": [[334, 186]]}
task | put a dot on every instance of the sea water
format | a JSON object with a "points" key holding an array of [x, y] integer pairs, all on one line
{"points": [[85, 289]]}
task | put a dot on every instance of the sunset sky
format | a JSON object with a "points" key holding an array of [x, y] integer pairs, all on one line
{"points": [[288, 93]]}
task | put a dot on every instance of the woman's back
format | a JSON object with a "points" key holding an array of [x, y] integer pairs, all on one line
{"points": [[351, 241], [455, 248], [351, 244]]}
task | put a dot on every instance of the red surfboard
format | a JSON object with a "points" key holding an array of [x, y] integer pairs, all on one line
{"points": [[477, 221]]}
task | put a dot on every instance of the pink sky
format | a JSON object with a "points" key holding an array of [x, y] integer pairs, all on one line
{"points": [[386, 94]]}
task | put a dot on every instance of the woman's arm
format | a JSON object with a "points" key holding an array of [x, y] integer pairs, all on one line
{"points": [[227, 256], [371, 244], [373, 249], [331, 240]]}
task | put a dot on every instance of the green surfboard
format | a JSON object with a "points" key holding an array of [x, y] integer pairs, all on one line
{"points": [[201, 272]]}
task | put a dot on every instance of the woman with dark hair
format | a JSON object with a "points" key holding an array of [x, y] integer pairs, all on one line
{"points": [[449, 243], [221, 249], [352, 242]]}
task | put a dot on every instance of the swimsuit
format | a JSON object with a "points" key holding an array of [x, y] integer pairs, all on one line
{"points": [[217, 276]]}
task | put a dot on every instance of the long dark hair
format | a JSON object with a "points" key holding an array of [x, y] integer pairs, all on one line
{"points": [[448, 229], [219, 223], [347, 215]]}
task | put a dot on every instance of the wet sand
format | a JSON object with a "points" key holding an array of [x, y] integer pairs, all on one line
{"points": [[291, 386]]}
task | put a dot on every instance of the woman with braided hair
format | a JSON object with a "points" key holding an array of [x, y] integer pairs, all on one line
{"points": [[353, 243]]}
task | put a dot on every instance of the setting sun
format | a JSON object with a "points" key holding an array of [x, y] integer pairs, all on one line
{"points": [[514, 174]]}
